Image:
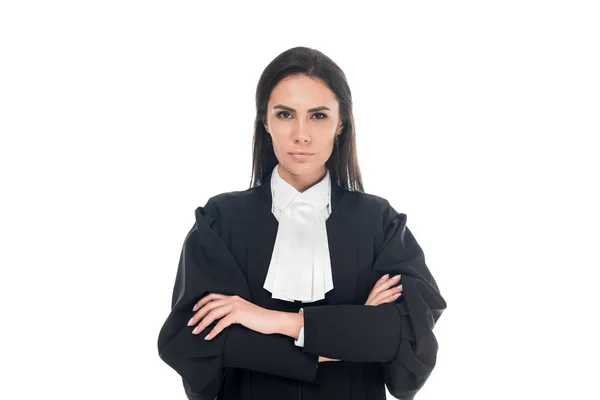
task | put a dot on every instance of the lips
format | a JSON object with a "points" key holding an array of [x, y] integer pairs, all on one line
{"points": [[301, 156]]}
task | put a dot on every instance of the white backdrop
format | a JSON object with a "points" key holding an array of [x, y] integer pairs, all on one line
{"points": [[479, 120]]}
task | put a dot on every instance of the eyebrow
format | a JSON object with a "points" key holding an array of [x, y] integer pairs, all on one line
{"points": [[292, 110]]}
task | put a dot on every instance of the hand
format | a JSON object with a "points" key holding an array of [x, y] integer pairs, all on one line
{"points": [[231, 310], [383, 292], [325, 359]]}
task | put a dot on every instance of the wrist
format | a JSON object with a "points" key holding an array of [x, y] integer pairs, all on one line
{"points": [[290, 324]]}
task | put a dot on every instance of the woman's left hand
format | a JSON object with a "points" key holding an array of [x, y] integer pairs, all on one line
{"points": [[232, 310]]}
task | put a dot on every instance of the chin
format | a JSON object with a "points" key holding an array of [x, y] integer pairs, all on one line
{"points": [[304, 168], [293, 169]]}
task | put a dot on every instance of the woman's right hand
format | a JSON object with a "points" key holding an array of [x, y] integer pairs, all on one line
{"points": [[384, 291]]}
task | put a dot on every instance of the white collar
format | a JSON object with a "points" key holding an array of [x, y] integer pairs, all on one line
{"points": [[283, 193], [300, 266]]}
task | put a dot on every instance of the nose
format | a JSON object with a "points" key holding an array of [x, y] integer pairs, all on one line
{"points": [[300, 134], [303, 139]]}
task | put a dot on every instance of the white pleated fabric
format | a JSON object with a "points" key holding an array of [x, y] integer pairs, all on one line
{"points": [[300, 267]]}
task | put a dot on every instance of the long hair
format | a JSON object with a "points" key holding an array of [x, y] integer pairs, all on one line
{"points": [[343, 163]]}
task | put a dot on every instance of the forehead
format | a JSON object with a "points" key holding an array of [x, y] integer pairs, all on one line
{"points": [[302, 92]]}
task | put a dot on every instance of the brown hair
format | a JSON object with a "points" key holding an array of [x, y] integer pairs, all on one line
{"points": [[343, 163]]}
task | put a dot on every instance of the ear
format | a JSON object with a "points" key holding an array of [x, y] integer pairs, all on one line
{"points": [[339, 130], [264, 121]]}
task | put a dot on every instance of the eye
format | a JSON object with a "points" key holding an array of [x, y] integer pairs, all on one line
{"points": [[279, 114], [285, 114]]}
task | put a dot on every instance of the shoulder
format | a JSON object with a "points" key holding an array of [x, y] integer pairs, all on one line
{"points": [[226, 204], [371, 202], [228, 200], [377, 209]]}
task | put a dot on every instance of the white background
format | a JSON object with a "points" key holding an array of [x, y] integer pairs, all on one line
{"points": [[477, 119]]}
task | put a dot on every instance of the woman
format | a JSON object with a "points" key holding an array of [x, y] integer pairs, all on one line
{"points": [[302, 286]]}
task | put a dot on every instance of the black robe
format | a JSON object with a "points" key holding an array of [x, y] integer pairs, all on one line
{"points": [[228, 251]]}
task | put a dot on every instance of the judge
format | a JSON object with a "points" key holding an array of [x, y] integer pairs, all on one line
{"points": [[302, 286]]}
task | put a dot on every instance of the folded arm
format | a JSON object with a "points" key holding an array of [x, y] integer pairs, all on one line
{"points": [[206, 266], [399, 334]]}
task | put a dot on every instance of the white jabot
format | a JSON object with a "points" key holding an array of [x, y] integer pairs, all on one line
{"points": [[300, 267]]}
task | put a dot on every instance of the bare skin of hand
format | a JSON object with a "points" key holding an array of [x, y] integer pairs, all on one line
{"points": [[236, 310], [232, 310], [384, 291], [325, 359]]}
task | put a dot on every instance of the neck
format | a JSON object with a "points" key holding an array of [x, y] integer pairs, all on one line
{"points": [[304, 181]]}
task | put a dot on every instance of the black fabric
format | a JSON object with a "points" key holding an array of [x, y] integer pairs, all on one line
{"points": [[399, 335], [228, 251]]}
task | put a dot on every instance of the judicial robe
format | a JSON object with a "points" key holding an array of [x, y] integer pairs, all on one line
{"points": [[228, 251]]}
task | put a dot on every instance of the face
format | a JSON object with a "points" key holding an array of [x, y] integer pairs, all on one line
{"points": [[302, 116]]}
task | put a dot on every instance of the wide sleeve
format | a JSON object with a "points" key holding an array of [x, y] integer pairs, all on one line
{"points": [[398, 335], [206, 266]]}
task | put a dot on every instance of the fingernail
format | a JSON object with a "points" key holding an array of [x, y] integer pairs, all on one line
{"points": [[383, 278], [195, 306], [396, 295], [397, 276], [191, 321], [195, 330], [206, 337]]}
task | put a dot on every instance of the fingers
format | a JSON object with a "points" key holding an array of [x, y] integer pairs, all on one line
{"points": [[206, 299], [383, 284], [388, 295], [215, 314], [379, 282], [386, 284], [208, 308], [222, 324], [389, 282], [384, 292], [375, 289]]}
